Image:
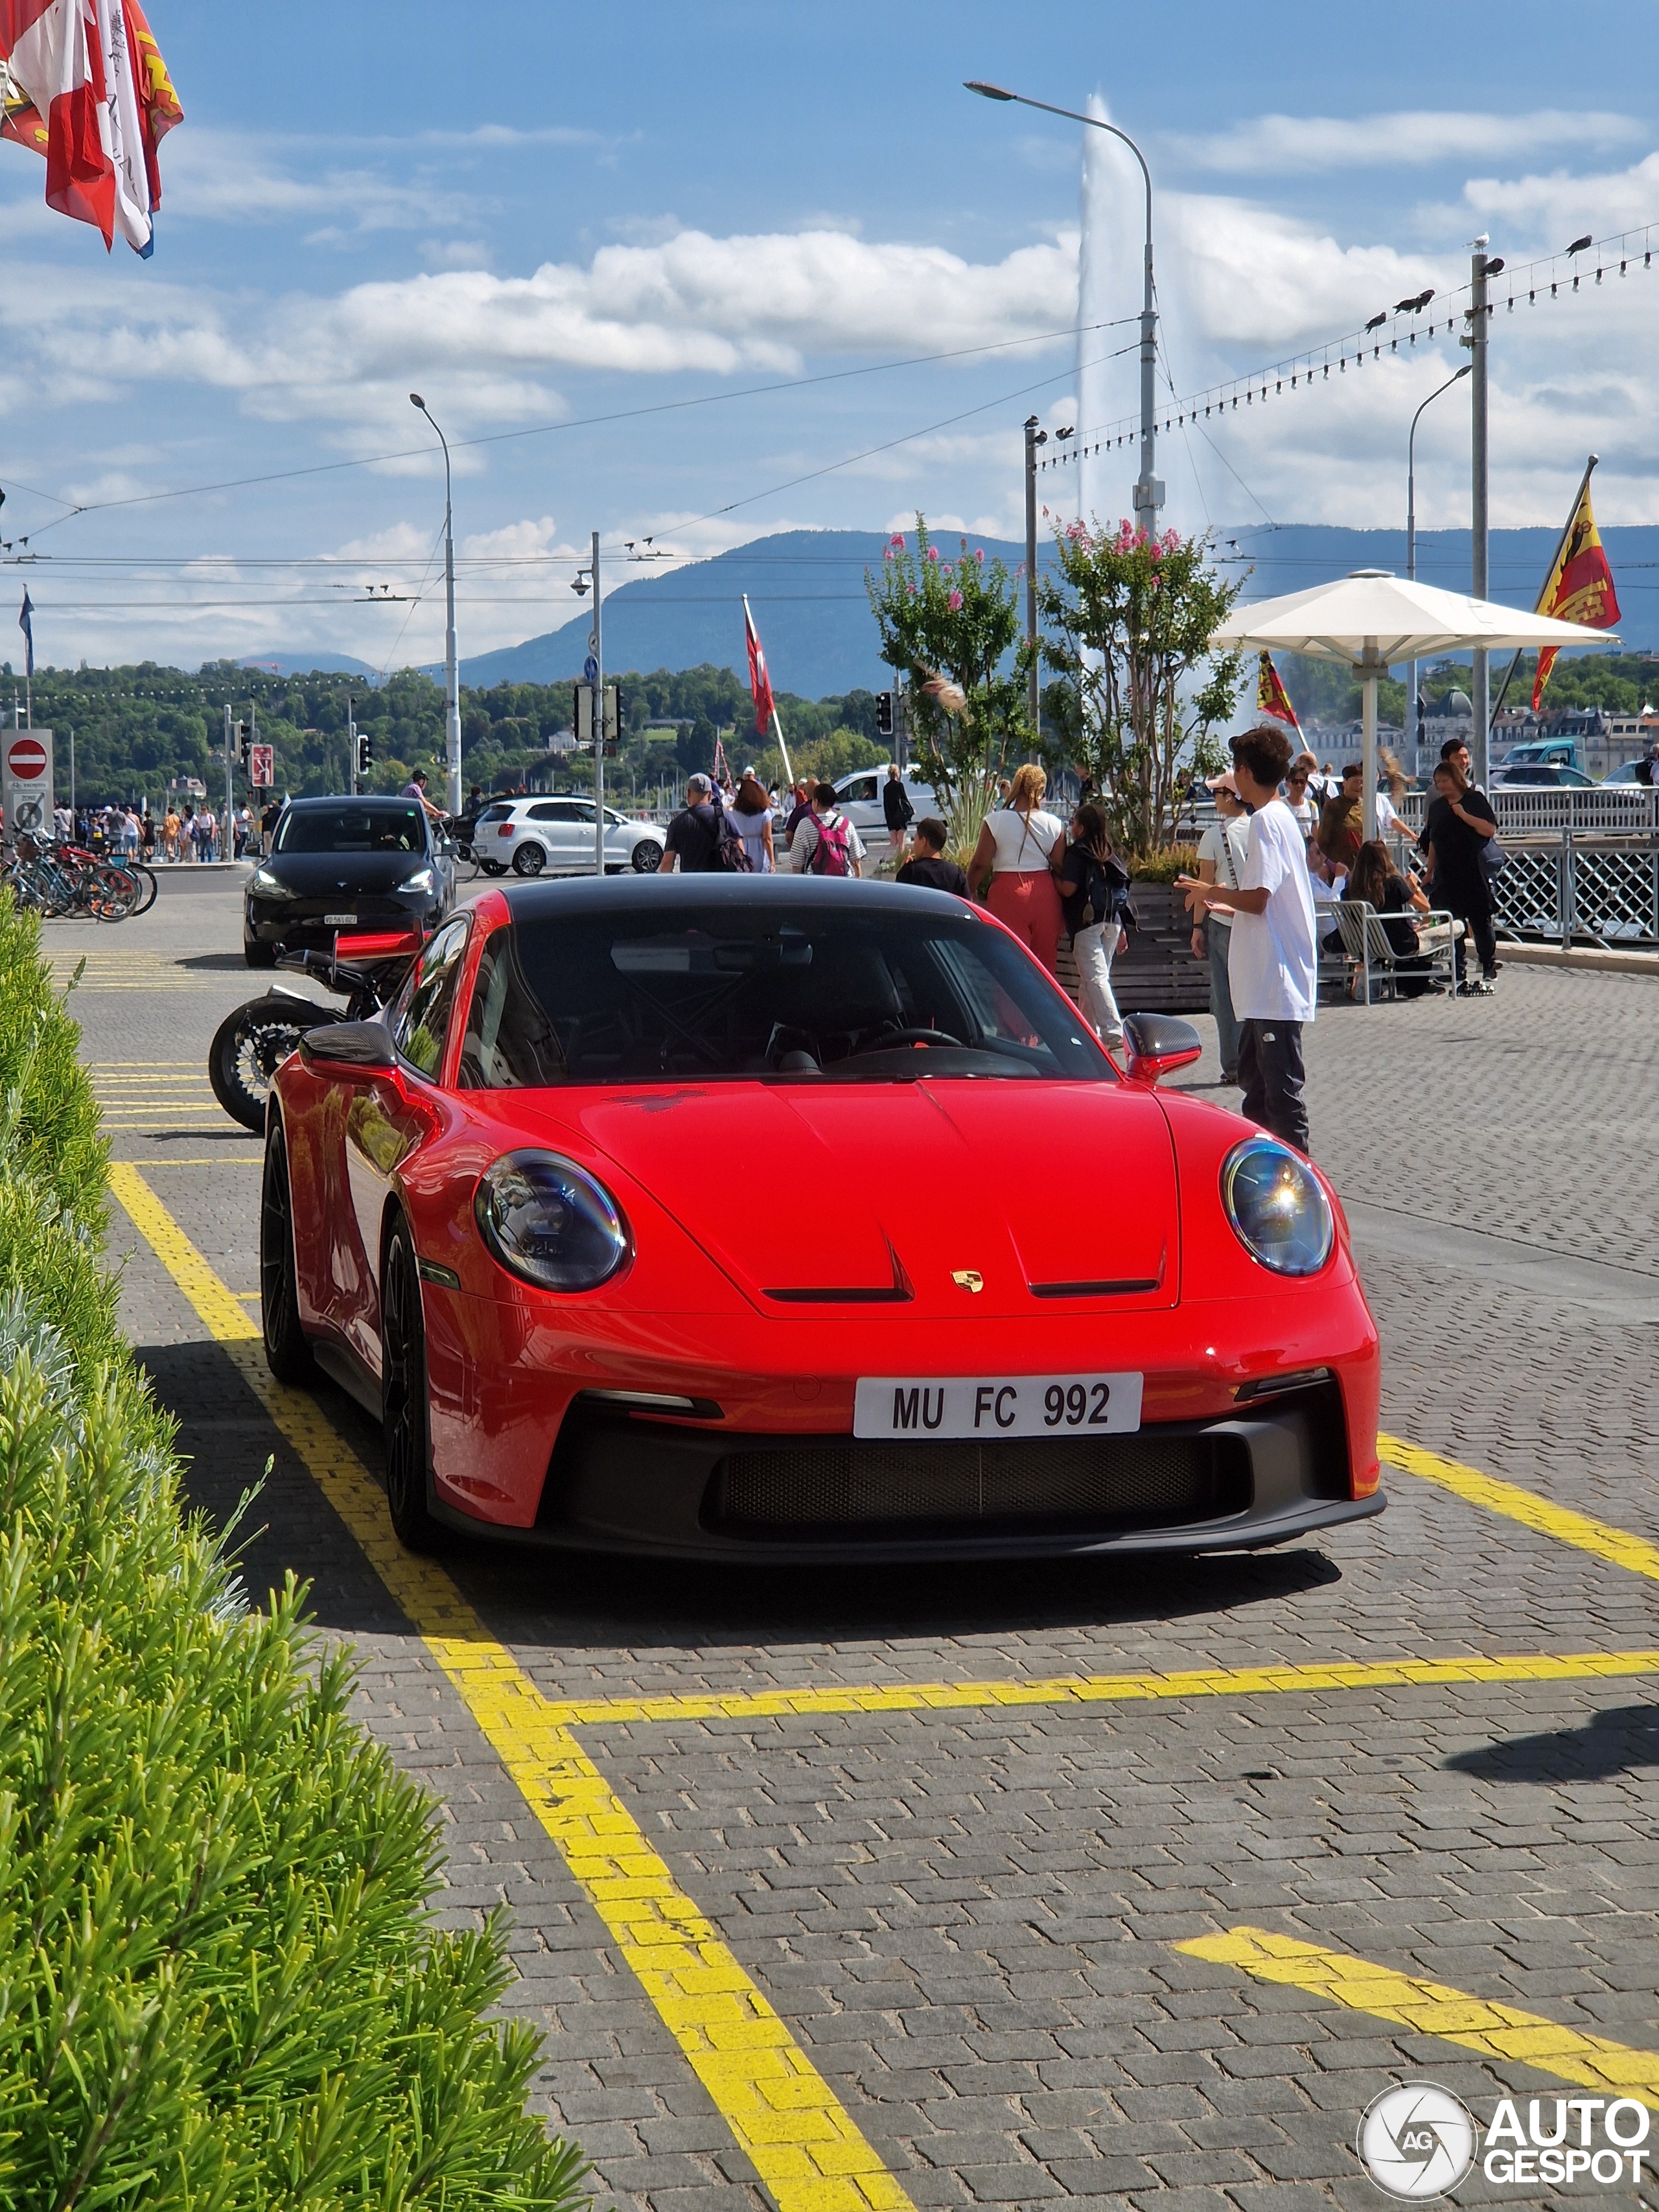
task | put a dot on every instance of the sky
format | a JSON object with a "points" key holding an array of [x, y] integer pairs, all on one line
{"points": [[695, 273]]}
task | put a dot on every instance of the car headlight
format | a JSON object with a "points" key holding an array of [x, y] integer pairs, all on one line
{"points": [[422, 880], [1279, 1212], [548, 1221], [269, 886]]}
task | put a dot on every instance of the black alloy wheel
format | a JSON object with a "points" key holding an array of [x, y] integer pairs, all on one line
{"points": [[647, 857], [529, 860], [403, 1397], [288, 1354]]}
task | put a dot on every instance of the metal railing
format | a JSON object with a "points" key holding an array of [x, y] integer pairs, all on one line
{"points": [[1583, 866]]}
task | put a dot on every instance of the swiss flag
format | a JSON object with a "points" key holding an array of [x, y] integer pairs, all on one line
{"points": [[759, 682]]}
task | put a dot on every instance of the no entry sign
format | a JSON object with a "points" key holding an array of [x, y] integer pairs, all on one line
{"points": [[26, 783]]}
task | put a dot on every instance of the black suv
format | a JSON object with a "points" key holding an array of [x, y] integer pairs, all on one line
{"points": [[346, 865]]}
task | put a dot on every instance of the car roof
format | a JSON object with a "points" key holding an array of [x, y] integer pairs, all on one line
{"points": [[574, 896], [349, 799]]}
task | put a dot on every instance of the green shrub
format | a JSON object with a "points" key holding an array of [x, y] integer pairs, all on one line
{"points": [[219, 1987]]}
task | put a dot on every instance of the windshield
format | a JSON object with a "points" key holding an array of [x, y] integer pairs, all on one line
{"points": [[349, 827], [798, 996]]}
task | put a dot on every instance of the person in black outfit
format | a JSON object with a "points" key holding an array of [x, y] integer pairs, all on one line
{"points": [[693, 834], [895, 807], [926, 865], [1454, 832]]}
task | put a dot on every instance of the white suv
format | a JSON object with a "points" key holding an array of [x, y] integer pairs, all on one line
{"points": [[555, 837]]}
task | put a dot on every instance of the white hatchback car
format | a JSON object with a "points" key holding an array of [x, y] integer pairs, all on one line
{"points": [[554, 837]]}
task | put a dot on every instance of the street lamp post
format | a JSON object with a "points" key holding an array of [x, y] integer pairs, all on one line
{"points": [[1148, 495], [1410, 530], [451, 672]]}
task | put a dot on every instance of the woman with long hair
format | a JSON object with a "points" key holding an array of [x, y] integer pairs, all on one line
{"points": [[1020, 847], [749, 812], [1375, 881], [1093, 887]]}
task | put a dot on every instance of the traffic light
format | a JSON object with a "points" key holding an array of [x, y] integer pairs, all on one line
{"points": [[240, 730], [365, 752], [883, 713], [613, 718]]}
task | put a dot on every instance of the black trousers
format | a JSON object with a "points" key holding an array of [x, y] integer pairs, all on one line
{"points": [[1486, 944], [1270, 1070]]}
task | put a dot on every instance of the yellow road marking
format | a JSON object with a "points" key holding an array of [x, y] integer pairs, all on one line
{"points": [[1497, 2031], [1567, 1527], [206, 1159], [1104, 1689], [806, 2148]]}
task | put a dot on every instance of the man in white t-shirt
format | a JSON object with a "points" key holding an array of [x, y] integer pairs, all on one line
{"points": [[1272, 964]]}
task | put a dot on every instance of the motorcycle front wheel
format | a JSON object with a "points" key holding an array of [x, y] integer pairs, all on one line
{"points": [[249, 1047]]}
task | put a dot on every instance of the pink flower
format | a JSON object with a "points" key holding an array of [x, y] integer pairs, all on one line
{"points": [[933, 552], [954, 602], [1172, 541], [1156, 551], [911, 590], [979, 554], [898, 540]]}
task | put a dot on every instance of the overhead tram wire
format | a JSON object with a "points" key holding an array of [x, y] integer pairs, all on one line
{"points": [[850, 460], [575, 423]]}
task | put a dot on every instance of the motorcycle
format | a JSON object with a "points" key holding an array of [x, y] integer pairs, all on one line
{"points": [[250, 1045]]}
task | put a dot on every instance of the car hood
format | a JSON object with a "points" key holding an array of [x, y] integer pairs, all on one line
{"points": [[313, 875], [909, 1194]]}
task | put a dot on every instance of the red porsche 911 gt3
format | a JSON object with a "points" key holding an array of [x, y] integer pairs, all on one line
{"points": [[767, 1217]]}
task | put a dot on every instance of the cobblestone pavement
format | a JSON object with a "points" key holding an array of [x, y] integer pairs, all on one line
{"points": [[968, 1917]]}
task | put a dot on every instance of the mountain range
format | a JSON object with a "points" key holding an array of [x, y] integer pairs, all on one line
{"points": [[806, 589]]}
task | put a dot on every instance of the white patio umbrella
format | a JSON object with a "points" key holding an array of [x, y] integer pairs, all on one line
{"points": [[1370, 620]]}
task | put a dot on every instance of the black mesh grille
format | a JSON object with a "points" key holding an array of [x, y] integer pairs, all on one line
{"points": [[1108, 1481]]}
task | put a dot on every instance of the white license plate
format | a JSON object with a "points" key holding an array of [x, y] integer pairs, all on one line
{"points": [[339, 921], [919, 1406]]}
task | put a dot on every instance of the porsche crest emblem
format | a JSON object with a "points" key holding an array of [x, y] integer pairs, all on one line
{"points": [[968, 1278]]}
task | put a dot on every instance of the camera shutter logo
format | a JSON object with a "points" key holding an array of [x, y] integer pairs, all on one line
{"points": [[1417, 2141]]}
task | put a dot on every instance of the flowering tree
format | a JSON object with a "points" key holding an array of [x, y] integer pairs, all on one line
{"points": [[950, 626], [1139, 693]]}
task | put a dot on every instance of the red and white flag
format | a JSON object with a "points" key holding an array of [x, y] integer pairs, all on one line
{"points": [[759, 682], [88, 87]]}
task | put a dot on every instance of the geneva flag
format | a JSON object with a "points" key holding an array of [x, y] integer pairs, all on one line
{"points": [[83, 82], [1270, 696], [1578, 588]]}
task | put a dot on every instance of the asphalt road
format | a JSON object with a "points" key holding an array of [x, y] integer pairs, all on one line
{"points": [[937, 1888]]}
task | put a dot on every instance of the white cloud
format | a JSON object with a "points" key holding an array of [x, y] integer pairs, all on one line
{"points": [[215, 176], [1283, 145], [691, 303], [1550, 211]]}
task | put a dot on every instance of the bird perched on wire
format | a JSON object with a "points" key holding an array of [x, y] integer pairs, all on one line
{"points": [[950, 698]]}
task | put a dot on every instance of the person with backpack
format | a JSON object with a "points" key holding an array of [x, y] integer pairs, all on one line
{"points": [[826, 843], [1094, 894], [695, 833]]}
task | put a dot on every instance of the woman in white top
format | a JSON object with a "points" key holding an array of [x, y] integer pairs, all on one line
{"points": [[1221, 860], [750, 816], [1021, 847]]}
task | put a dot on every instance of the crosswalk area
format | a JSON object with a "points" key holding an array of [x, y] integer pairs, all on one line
{"points": [[155, 1096], [104, 966]]}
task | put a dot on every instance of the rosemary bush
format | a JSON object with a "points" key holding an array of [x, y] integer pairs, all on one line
{"points": [[220, 1989]]}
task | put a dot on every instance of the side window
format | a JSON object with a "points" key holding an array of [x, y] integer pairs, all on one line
{"points": [[421, 1022], [509, 1044], [546, 811]]}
